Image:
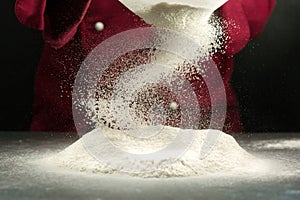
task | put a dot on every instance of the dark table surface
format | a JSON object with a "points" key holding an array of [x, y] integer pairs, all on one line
{"points": [[21, 180]]}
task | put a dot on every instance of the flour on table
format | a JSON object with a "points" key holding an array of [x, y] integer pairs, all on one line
{"points": [[226, 156]]}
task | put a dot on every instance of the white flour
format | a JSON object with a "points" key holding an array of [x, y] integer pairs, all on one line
{"points": [[194, 22], [226, 156], [197, 23]]}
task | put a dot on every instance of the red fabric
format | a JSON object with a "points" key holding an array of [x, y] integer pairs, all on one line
{"points": [[69, 34], [62, 20], [31, 13]]}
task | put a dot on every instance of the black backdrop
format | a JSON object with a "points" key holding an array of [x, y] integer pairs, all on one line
{"points": [[265, 78], [267, 73]]}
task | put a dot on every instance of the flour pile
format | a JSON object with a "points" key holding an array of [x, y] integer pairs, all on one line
{"points": [[225, 156]]}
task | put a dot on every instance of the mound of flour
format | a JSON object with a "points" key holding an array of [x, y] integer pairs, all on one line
{"points": [[225, 155]]}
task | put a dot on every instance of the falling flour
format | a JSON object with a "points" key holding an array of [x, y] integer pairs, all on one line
{"points": [[225, 156], [166, 69], [201, 24]]}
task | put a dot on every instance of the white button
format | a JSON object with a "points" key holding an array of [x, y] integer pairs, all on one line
{"points": [[173, 105], [99, 26]]}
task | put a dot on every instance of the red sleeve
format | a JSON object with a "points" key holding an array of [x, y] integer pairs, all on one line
{"points": [[245, 19], [31, 13], [58, 19], [257, 13]]}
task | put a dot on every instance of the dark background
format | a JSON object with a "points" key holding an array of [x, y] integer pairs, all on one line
{"points": [[266, 73]]}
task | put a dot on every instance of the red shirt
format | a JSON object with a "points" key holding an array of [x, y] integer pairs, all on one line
{"points": [[69, 35]]}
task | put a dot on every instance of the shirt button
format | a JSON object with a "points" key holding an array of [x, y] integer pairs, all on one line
{"points": [[99, 26]]}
